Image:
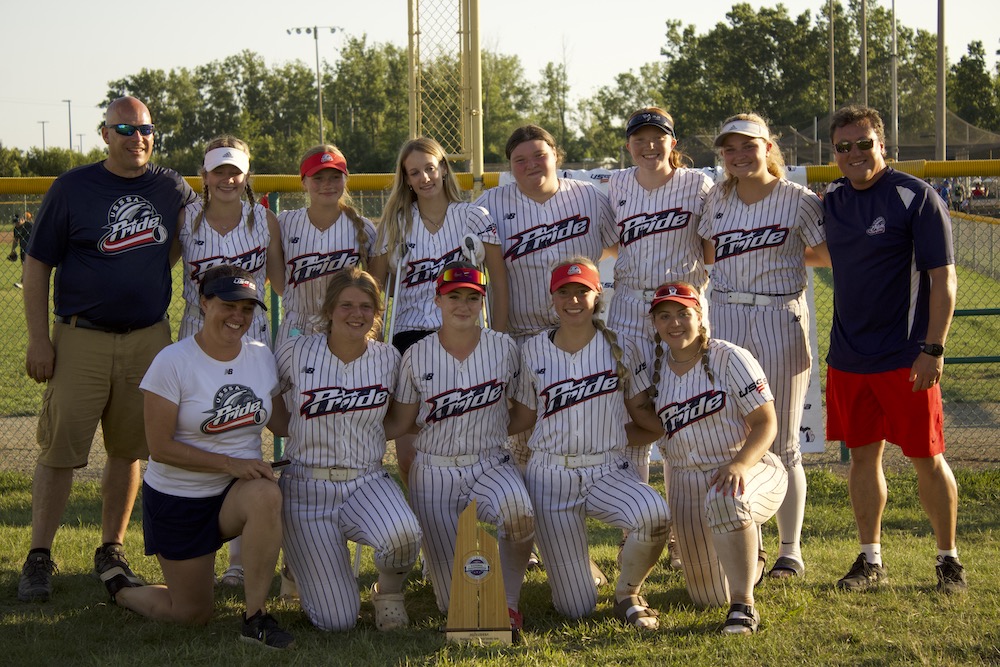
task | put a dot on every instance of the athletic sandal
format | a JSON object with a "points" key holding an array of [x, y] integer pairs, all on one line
{"points": [[742, 619], [786, 568], [633, 609], [390, 614]]}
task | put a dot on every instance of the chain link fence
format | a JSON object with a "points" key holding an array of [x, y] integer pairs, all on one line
{"points": [[440, 73], [971, 384]]}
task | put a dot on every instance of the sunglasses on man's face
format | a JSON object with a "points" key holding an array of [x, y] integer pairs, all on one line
{"points": [[127, 130], [846, 146]]}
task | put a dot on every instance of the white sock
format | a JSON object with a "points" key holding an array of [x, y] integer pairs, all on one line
{"points": [[944, 553], [791, 514], [873, 553]]}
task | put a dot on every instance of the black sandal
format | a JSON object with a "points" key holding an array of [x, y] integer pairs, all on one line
{"points": [[741, 625], [633, 608], [786, 568]]}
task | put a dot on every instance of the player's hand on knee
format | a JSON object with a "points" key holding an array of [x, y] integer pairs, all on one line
{"points": [[730, 478], [248, 468]]}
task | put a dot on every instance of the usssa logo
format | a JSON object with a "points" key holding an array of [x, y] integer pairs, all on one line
{"points": [[234, 406], [132, 223]]}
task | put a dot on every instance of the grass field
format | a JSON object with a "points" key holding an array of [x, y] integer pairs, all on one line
{"points": [[805, 622]]}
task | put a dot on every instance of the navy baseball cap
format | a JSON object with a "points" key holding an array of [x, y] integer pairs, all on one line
{"points": [[234, 288], [649, 118]]}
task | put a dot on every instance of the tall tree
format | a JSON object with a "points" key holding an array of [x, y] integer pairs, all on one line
{"points": [[972, 92], [507, 102]]}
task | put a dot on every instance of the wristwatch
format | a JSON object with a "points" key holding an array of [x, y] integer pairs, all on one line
{"points": [[933, 349]]}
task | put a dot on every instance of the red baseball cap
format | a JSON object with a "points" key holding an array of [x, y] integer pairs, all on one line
{"points": [[320, 161], [575, 273], [677, 292], [454, 277]]}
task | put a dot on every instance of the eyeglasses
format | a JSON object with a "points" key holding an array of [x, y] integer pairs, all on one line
{"points": [[462, 275], [846, 146], [673, 289], [127, 130]]}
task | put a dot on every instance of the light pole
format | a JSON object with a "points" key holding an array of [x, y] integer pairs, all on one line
{"points": [[42, 123], [80, 137], [69, 114], [314, 31]]}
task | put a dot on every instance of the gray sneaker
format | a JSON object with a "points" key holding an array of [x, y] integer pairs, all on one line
{"points": [[35, 584], [951, 575], [863, 576], [110, 557]]}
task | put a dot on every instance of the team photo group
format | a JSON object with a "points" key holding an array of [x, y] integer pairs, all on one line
{"points": [[500, 370]]}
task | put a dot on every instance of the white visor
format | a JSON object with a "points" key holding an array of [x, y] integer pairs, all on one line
{"points": [[226, 155], [745, 127]]}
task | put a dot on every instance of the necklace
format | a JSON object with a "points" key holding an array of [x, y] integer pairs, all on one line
{"points": [[674, 359]]}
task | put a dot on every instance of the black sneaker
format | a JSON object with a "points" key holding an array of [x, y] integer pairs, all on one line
{"points": [[863, 576], [263, 628], [35, 584], [115, 579], [951, 575], [111, 557]]}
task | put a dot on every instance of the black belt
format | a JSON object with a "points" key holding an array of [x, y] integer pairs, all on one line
{"points": [[80, 323]]}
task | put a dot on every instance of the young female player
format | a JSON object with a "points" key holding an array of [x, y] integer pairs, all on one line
{"points": [[206, 401], [455, 383], [224, 228], [425, 215], [338, 387], [760, 226], [658, 203], [716, 408], [319, 240], [578, 386]]}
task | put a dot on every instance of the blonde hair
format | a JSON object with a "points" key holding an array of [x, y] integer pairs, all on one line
{"points": [[676, 158], [702, 336], [352, 276], [396, 222], [346, 202], [225, 141], [621, 368], [774, 160]]}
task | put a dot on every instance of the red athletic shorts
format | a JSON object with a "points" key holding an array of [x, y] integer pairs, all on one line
{"points": [[863, 408]]}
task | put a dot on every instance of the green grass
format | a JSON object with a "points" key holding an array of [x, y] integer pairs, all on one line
{"points": [[804, 621]]}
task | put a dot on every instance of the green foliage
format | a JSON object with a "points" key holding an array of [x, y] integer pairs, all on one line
{"points": [[972, 92]]}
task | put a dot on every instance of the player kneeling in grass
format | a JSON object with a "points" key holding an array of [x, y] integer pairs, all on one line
{"points": [[338, 387], [455, 383], [207, 399], [718, 413], [578, 387]]}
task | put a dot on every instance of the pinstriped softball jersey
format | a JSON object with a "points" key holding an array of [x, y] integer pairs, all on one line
{"points": [[706, 428], [311, 257], [428, 254], [576, 220], [337, 408], [577, 399], [463, 411], [463, 406], [581, 410], [205, 248], [759, 249], [337, 411]]}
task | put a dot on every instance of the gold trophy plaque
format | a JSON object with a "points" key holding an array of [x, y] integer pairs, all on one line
{"points": [[477, 611]]}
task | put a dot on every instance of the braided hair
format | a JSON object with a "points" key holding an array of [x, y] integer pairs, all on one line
{"points": [[658, 352]]}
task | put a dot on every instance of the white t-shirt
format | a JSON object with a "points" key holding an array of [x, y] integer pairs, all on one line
{"points": [[222, 407]]}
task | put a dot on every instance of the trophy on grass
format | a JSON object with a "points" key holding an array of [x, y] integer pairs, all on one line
{"points": [[477, 612]]}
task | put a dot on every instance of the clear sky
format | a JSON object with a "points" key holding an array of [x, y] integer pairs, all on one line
{"points": [[56, 50]]}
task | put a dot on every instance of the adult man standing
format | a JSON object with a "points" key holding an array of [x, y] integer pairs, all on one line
{"points": [[889, 236], [106, 228]]}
